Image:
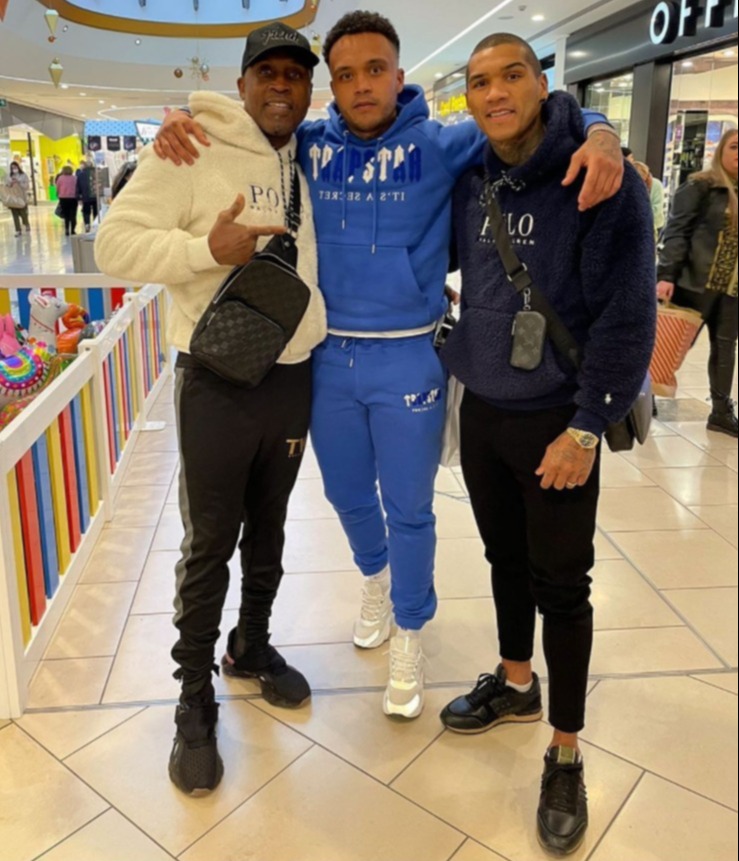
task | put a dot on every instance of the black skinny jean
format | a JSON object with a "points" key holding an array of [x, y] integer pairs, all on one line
{"points": [[721, 313], [539, 543]]}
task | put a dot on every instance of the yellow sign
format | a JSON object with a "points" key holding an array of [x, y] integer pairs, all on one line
{"points": [[454, 105]]}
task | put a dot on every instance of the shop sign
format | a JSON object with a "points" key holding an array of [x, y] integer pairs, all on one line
{"points": [[673, 20], [454, 105]]}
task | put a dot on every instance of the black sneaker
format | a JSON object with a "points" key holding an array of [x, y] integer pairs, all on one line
{"points": [[563, 807], [282, 685], [493, 703], [195, 766]]}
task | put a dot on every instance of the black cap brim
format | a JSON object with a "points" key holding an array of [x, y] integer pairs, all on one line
{"points": [[302, 55]]}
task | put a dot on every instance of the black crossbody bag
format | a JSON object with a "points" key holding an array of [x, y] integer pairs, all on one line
{"points": [[620, 436], [257, 310]]}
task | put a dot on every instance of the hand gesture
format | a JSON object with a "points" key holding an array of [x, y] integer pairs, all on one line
{"points": [[233, 244]]}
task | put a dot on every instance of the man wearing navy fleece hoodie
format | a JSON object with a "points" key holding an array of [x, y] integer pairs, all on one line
{"points": [[531, 438], [381, 176]]}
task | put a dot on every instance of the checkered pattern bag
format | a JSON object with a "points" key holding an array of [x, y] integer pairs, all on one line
{"points": [[256, 311]]}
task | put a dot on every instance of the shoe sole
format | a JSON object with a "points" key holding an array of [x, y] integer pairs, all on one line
{"points": [[398, 711], [724, 431], [268, 691], [561, 853], [370, 644], [532, 718]]}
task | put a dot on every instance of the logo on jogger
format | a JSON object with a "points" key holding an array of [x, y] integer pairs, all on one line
{"points": [[424, 402]]}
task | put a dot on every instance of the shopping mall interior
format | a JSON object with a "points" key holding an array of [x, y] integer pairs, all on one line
{"points": [[94, 521]]}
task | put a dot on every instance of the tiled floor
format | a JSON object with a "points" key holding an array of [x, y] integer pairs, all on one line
{"points": [[83, 774], [44, 249]]}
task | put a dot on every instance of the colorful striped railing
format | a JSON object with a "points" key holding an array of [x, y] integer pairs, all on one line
{"points": [[61, 462]]}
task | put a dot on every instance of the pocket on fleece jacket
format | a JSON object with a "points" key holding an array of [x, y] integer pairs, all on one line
{"points": [[478, 353]]}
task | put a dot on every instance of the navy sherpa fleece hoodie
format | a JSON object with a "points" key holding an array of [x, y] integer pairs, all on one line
{"points": [[596, 268]]}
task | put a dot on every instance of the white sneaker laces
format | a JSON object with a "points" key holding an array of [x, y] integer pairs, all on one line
{"points": [[374, 604]]}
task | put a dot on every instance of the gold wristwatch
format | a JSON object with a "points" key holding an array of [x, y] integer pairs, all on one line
{"points": [[584, 439]]}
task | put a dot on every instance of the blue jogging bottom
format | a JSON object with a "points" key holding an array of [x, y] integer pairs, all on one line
{"points": [[378, 418]]}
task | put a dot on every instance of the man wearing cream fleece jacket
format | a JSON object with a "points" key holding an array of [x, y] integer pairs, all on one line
{"points": [[240, 449]]}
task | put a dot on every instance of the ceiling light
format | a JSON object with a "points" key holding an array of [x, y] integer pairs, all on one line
{"points": [[439, 75], [578, 55], [101, 101], [83, 94], [539, 18], [730, 53], [65, 86], [688, 64], [138, 41]]}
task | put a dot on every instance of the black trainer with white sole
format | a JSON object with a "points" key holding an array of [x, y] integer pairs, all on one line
{"points": [[492, 703], [282, 685], [562, 818], [195, 766]]}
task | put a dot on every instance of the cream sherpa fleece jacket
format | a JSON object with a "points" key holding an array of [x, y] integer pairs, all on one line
{"points": [[157, 229]]}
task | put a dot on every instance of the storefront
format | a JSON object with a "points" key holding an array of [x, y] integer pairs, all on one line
{"points": [[665, 73]]}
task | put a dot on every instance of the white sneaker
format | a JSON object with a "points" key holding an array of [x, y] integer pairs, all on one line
{"points": [[404, 694], [373, 627]]}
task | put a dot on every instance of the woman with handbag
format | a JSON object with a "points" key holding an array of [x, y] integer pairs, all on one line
{"points": [[698, 269], [16, 197]]}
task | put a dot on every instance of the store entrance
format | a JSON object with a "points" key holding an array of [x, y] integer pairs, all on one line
{"points": [[703, 105]]}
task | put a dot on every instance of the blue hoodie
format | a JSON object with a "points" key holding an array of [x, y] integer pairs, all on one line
{"points": [[383, 214], [596, 268]]}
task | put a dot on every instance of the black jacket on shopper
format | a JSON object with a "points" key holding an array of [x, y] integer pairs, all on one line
{"points": [[690, 240]]}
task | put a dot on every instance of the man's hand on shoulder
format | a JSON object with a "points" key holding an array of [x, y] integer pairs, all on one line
{"points": [[233, 244], [173, 141], [601, 156]]}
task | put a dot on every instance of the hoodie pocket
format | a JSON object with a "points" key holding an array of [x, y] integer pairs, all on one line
{"points": [[478, 353], [378, 290]]}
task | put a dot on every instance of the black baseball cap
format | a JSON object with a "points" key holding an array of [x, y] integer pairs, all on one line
{"points": [[278, 37]]}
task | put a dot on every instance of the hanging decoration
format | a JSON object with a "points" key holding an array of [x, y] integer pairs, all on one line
{"points": [[199, 69], [52, 19], [56, 70], [316, 44]]}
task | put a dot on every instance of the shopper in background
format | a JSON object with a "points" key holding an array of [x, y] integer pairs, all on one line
{"points": [[531, 422], [656, 189], [87, 190], [66, 189], [381, 176], [240, 448], [16, 197], [698, 269]]}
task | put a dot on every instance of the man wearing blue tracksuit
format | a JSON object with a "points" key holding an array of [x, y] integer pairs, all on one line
{"points": [[381, 177]]}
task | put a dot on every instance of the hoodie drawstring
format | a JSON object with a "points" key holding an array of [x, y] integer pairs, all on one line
{"points": [[376, 195], [375, 190], [345, 175]]}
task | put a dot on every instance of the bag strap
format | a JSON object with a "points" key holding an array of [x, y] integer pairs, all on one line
{"points": [[293, 215], [518, 274]]}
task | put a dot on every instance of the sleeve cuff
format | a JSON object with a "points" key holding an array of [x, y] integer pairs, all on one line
{"points": [[199, 257], [602, 127], [585, 420]]}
